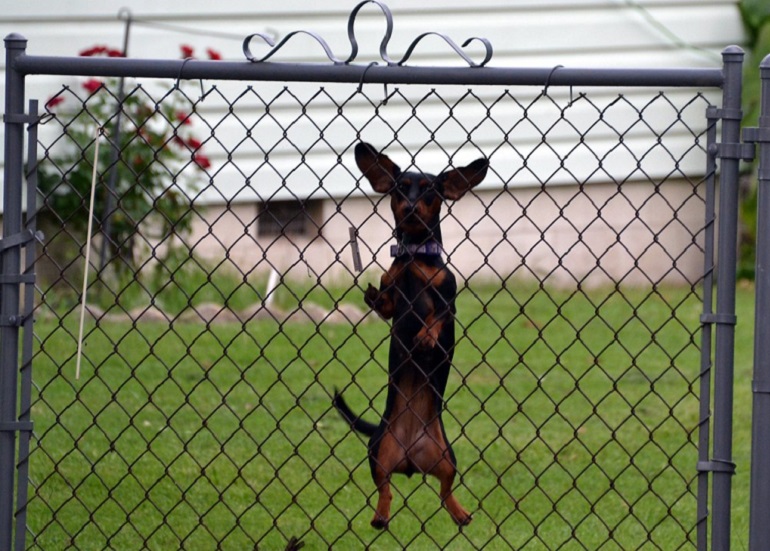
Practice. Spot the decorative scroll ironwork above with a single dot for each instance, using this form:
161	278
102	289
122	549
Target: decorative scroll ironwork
275	47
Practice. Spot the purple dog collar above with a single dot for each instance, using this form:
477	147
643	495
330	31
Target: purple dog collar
431	248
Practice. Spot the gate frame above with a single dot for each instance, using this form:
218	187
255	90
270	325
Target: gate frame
759	527
10	283
731	151
13	480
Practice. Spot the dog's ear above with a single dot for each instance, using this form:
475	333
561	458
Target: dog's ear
376	167
458	181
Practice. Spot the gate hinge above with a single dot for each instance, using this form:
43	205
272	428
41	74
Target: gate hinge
740	151
759	135
19	118
716	466
16	426
17	278
24	118
756	134
761	386
20	239
715	113
11	320
719	319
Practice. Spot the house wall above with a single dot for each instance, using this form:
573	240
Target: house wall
602	237
524	33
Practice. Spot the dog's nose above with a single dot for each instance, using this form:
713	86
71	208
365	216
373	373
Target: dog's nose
414	195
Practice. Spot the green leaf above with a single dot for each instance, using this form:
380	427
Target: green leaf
762	44
755	14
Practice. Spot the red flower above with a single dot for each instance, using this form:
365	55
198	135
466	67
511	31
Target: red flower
183	117
94	50
98	50
92	85
213	54
187	51
194	144
54	101
202	161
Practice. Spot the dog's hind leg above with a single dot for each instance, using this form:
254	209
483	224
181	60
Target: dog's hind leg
382	513
445	472
387	457
433	455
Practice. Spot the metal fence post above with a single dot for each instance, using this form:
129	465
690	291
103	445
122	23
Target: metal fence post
729	151
759	527
704	424
9	293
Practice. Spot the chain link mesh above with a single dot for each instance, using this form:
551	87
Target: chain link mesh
224	310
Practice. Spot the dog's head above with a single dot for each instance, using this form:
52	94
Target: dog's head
415	197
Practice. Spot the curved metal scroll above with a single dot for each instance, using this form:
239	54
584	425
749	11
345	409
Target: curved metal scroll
385	39
454	46
275	48
354	43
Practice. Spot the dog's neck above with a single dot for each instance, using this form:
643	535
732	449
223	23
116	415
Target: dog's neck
429	244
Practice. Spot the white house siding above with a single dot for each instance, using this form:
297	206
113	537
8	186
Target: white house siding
542	33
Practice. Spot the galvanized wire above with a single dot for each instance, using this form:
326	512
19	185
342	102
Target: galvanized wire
204	418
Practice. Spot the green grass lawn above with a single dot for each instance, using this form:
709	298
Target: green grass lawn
572	416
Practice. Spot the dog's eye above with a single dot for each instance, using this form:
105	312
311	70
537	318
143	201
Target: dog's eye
427	192
404	189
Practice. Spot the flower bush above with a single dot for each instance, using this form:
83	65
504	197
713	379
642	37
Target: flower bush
149	159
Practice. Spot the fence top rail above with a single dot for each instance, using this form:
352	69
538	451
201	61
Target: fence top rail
367	73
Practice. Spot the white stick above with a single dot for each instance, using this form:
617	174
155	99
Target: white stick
99	132
272	283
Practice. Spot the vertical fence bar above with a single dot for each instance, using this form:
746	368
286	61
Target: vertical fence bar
116	139
721	464
27	346
15	46
704	418
759	527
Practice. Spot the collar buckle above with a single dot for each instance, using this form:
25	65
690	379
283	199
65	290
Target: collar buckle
431	248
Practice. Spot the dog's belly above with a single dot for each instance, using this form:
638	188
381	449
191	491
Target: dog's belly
415	427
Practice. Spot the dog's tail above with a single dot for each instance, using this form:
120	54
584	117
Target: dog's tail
358	424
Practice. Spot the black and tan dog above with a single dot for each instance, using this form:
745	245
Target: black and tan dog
418	294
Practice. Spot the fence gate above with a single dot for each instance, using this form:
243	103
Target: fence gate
231	238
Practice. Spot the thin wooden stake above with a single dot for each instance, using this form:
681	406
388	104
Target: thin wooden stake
83	300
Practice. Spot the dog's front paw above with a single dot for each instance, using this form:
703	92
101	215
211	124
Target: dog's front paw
370	296
426	338
379	301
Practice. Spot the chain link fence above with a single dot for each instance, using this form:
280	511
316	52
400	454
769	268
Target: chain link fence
224	309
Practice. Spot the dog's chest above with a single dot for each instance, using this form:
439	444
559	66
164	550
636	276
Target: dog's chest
418	277
417	287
